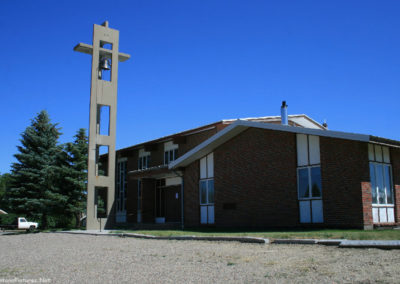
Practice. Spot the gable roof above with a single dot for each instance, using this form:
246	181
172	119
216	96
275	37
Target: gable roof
171	136
300	120
240	125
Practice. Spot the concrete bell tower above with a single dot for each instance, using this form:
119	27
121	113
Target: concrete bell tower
102	125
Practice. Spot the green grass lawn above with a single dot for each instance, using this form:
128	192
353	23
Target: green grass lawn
387	234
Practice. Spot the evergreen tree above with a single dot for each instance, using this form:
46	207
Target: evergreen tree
34	188
74	175
5	180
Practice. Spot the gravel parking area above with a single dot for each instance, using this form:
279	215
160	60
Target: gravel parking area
62	258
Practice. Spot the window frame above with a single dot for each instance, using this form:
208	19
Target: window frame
310	197
122	185
167	155
143	162
375	163
206	180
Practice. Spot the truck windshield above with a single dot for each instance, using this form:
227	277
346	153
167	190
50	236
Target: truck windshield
22	220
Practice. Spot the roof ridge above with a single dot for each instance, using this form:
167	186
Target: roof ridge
263	117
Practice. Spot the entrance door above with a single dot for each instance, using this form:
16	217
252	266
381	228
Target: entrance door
167	203
160	204
173	203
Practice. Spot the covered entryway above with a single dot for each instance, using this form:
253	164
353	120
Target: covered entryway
167	202
158	196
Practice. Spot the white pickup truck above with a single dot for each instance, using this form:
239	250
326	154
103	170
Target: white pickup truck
20	223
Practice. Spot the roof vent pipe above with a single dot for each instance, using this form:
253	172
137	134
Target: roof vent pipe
284	115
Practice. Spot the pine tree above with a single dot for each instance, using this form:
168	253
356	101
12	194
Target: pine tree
34	188
74	175
4	184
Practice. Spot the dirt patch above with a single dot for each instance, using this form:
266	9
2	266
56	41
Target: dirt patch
88	259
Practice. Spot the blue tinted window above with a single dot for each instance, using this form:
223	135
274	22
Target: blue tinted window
303	183
316	188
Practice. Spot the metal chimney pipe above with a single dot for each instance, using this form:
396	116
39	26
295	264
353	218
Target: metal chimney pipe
284	115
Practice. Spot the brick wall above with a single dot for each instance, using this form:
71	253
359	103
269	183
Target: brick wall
344	168
195	139
395	161
148	200
157	158
397	203
132	201
131	194
255	174
191	195
366	197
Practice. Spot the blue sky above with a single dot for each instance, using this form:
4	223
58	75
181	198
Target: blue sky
196	62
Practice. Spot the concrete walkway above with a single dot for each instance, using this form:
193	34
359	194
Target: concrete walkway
182	238
370	244
342	243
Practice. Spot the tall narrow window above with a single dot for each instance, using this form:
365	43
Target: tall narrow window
309	182
144	159
380	171
206	189
170	152
122	183
309	179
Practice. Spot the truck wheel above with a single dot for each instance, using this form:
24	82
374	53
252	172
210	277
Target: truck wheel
31	229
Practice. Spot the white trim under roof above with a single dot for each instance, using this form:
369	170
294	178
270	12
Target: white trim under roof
241	125
306	121
301	119
143	153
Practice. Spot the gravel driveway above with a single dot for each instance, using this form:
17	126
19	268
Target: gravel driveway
61	258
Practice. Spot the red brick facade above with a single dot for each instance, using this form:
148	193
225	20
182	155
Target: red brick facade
255	181
191	195
395	161
344	168
195	139
366	204
397	200
256	172
131	194
156	159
